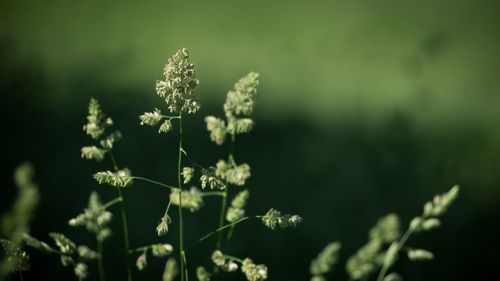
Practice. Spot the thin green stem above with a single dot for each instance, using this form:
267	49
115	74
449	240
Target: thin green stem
191	159
400	244
112	202
218	230
124	221
154	182
233	258
213	193
100	262
113	160
125	234
170	117
182	257
224	198
221	217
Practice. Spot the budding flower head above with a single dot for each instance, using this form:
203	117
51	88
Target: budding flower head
325	261
254	272
161	250
440	203
94	218
232	173
15	259
151	118
170	271
65	245
142	261
120	178
240	101
236	211
81	271
387	229
224	263
419	254
202	274
210	179
93	152
365	261
274	218
187	174
191	199
180	84
162	227
97	122
86	253
217	129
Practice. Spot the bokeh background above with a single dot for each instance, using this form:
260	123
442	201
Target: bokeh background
365	108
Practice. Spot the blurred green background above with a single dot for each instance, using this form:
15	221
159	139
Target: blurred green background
365	108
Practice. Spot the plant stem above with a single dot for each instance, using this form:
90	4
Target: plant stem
124	221
224	198
153	182
182	257
233	258
125	234
221	217
218	230
401	243
213	193
112	202
100	262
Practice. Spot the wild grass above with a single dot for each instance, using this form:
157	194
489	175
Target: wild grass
226	179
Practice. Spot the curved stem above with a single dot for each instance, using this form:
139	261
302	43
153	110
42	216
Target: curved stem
233	258
153	182
182	257
112	202
220	229
100	262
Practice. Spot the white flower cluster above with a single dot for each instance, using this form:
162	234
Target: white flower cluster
236	211
95	218
120	178
238	106
419	254
274	218
226	264
96	126
191	199
232	173
325	261
254	272
180	84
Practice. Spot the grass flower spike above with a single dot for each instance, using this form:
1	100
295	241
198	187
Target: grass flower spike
180	84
